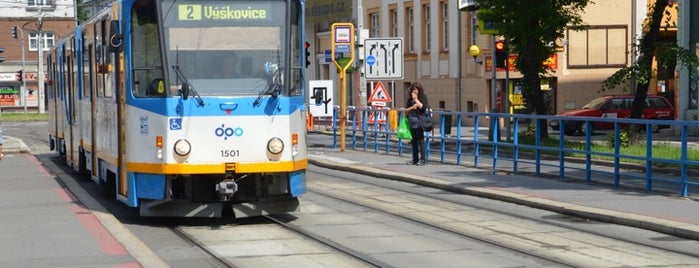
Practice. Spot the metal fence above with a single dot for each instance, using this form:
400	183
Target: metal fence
515	145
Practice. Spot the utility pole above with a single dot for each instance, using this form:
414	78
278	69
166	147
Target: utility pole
493	91
362	80
24	81
40	50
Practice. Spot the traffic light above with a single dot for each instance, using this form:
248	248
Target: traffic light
20	75
308	54
500	54
2	58
14	32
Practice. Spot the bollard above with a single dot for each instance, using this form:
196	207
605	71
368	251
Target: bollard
309	121
393	120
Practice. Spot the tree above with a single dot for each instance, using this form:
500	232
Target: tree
531	27
82	13
649	48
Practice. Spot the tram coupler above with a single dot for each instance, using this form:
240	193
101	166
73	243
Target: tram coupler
226	190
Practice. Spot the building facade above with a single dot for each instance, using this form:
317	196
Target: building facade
24	26
437	37
688	78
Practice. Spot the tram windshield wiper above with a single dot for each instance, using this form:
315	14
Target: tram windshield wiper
274	84
187	88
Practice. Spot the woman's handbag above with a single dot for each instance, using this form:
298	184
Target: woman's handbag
403	131
426	120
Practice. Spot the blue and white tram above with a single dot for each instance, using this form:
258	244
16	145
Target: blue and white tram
186	107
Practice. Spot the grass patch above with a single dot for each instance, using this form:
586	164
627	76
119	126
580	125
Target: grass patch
661	150
21	116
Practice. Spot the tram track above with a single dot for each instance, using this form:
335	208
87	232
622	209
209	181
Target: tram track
558	220
440	227
331	188
522	242
451	231
215	259
211	239
283	221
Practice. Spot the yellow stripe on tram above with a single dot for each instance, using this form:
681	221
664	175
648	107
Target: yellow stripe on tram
153	168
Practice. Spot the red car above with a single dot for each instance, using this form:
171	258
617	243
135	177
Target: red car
615	106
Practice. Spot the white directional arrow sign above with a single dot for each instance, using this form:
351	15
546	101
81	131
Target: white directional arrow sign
383	58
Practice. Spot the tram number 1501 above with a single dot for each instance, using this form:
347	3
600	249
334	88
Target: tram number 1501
230	153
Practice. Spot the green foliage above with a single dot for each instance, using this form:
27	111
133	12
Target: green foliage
82	13
624	140
343	62
17	116
529	28
665	53
529	131
660	150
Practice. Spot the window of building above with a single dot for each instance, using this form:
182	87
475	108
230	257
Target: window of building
445	25
40	3
410	33
374	18
394	22
427	30
47	41
598	46
44	5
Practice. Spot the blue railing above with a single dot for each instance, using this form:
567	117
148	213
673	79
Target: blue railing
476	144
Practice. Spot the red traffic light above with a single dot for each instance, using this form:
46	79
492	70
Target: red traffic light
308	53
500	54
500	45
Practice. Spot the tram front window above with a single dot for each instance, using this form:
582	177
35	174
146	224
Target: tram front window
147	63
223	53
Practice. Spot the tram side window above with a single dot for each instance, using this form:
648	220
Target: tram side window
103	67
64	72
49	74
296	79
107	66
99	59
147	61
87	68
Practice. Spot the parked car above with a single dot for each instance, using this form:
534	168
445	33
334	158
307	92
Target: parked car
615	106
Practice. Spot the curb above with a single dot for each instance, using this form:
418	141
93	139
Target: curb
12	145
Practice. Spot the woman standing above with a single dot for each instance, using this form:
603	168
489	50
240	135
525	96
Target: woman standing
416	107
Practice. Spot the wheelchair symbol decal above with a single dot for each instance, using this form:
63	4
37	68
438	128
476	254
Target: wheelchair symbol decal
175	123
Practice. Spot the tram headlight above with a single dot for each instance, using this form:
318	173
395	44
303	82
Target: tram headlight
275	145
182	147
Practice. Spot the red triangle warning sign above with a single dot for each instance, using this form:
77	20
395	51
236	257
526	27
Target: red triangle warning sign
379	94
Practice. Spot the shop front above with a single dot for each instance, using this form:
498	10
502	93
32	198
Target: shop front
12	97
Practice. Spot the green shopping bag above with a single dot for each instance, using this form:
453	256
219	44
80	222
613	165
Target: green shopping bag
403	131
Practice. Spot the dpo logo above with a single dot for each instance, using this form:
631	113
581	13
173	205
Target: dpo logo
227	132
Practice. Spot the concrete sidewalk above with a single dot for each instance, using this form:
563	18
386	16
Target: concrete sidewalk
11	145
50	221
667	214
45	224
